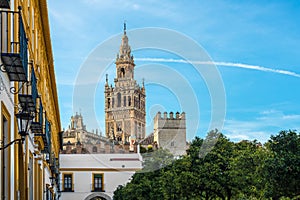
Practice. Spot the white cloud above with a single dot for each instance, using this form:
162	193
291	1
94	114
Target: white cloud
136	6
224	64
256	67
271	120
237	136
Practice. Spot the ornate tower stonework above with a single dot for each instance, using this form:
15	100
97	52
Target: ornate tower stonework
125	103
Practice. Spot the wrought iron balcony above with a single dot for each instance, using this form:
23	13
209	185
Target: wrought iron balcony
4	3
37	129
47	136
37	125
13	45
57	165
53	164
27	102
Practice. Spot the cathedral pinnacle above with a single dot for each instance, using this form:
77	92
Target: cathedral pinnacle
124	27
106	80
125	50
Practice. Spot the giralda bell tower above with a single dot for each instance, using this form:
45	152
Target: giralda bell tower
125	102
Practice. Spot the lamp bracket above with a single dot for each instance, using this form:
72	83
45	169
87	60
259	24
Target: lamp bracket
16	140
14	90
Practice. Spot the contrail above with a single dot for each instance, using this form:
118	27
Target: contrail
225	64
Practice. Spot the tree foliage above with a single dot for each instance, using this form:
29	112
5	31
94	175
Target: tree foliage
217	168
282	166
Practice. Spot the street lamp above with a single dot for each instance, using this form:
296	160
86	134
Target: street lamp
24	118
25	114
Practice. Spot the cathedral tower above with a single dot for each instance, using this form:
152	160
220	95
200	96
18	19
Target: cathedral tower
125	102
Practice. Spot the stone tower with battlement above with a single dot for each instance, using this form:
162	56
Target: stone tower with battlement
125	102
170	132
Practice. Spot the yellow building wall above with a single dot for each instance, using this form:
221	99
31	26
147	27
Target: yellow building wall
36	24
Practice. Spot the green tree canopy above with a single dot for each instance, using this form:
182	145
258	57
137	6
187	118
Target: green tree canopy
217	168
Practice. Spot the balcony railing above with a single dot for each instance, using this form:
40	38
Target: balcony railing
46	139
27	102
4	3
37	125
53	164
13	43
34	92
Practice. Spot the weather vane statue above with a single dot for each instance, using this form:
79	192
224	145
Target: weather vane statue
125	27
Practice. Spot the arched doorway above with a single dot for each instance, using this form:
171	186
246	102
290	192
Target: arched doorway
98	196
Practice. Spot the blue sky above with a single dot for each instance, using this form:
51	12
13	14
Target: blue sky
253	45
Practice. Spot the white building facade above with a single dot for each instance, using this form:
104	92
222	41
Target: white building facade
95	176
6	136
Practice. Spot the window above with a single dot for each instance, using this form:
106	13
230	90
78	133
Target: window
68	183
124	101
172	144
122	73
98	182
129	100
94	149
108	102
118	100
119	127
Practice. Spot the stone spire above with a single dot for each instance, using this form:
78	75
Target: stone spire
125	50
127	96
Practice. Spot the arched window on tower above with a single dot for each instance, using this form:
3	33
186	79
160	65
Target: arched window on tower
122	73
119	128
108	102
119	100
129	100
139	102
113	102
134	102
124	101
